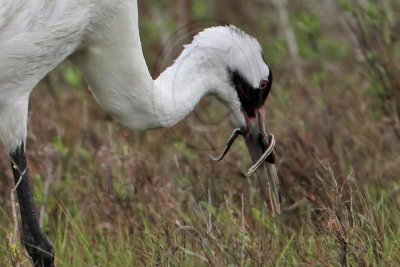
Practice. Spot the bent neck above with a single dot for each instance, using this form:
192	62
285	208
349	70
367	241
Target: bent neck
116	71
178	90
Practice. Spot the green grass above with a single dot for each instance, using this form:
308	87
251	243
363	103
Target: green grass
82	238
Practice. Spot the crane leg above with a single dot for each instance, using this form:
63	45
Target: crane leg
35	241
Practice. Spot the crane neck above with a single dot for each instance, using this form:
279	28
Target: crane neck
177	91
115	69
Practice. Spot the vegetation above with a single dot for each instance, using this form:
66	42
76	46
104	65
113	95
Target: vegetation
112	197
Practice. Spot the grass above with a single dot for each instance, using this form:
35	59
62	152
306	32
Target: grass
82	238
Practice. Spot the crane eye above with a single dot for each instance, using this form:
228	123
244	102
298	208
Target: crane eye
263	84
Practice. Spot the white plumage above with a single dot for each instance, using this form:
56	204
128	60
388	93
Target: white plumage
35	37
102	39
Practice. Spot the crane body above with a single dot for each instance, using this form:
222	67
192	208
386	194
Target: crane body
101	37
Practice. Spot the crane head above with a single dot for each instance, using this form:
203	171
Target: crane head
245	83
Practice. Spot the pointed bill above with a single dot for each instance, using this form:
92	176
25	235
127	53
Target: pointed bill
258	143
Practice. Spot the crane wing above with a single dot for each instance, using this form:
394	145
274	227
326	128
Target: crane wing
35	36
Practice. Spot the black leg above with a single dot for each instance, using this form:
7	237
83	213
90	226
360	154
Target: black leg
36	243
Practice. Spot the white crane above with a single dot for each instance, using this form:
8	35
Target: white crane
101	37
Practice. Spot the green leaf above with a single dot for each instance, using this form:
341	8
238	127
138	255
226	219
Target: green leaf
73	77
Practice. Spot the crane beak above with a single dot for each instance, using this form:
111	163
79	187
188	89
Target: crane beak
261	148
260	145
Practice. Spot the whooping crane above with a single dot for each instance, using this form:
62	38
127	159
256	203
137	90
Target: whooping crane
101	37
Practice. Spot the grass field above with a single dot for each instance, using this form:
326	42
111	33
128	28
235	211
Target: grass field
112	197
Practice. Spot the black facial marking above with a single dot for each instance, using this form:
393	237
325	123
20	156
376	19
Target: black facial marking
270	78
250	98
